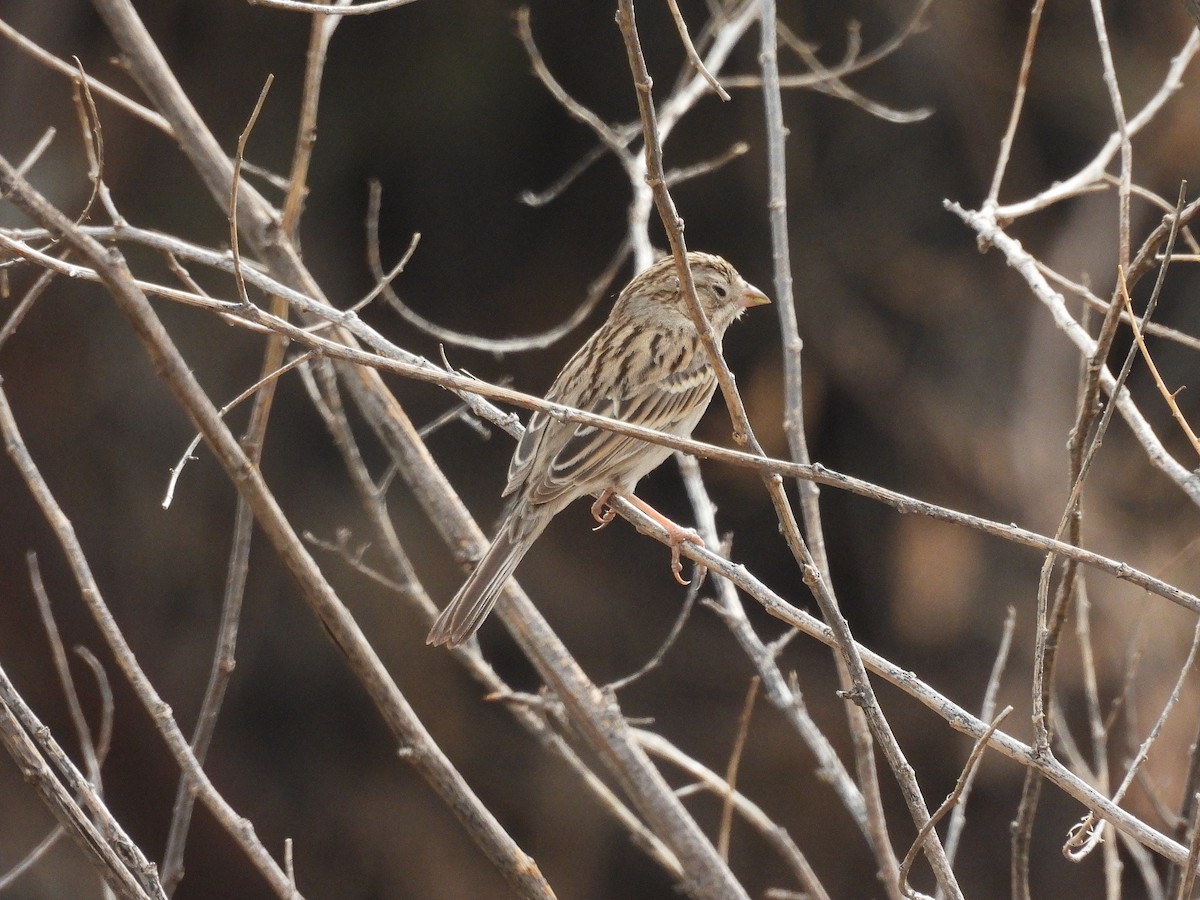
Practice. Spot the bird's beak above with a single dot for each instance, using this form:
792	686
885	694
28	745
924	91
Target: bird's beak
752	296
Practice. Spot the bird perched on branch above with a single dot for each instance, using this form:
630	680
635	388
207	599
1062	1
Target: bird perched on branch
646	365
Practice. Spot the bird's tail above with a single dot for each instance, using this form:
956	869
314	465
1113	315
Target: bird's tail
465	613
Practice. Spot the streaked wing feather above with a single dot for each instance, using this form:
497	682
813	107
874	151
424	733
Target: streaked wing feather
583	459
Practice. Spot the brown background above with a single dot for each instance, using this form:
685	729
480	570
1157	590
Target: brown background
929	369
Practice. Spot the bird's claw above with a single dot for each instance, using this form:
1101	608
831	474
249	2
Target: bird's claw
602	512
678	539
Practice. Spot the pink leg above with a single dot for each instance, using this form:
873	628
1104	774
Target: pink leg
677	535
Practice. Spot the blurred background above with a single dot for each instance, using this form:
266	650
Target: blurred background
929	368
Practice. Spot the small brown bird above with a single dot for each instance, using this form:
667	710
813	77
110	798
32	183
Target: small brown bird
647	366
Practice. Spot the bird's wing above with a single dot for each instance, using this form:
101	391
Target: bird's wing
555	458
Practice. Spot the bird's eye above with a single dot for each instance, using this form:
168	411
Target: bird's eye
721	291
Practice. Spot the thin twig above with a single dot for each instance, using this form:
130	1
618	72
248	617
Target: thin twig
21	309
731	769
93	143
91	761
1188	881
363	9
235	183
693	56
1167	394
685	613
189	453
1014	117
987	712
596	292
65	68
711	781
32	858
954	797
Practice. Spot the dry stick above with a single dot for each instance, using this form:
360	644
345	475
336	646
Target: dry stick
616	140
39	148
92	760
93	142
13	322
829	81
751	812
1099	731
425	756
956	795
1122	132
104	736
1189	815
731	770
793	420
112	857
231	215
681	619
862	694
785	304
